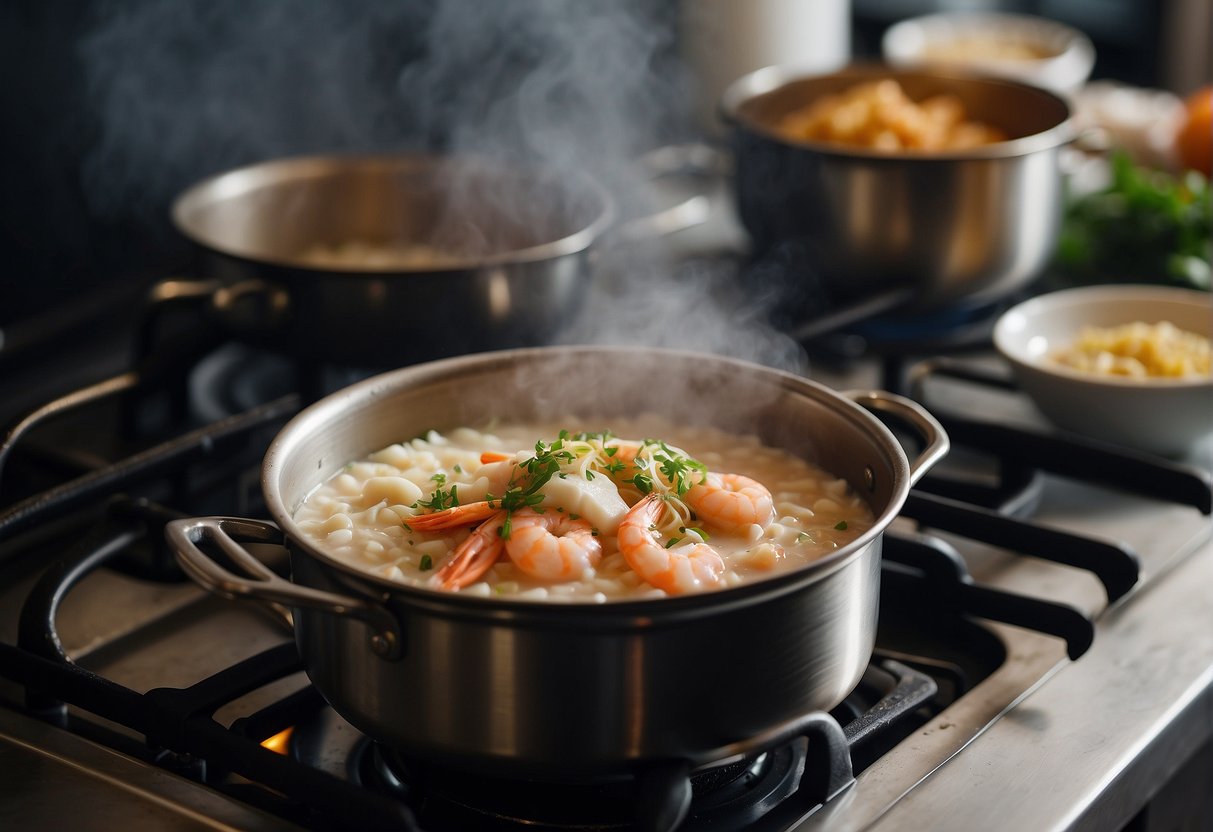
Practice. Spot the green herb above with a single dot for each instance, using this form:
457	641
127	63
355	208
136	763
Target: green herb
589	475
536	472
440	499
1145	226
803	537
669	543
678	469
841	525
643	483
427	563
438	478
457	469
702	534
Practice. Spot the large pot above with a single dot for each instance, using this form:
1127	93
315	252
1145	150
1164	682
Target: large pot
380	260
957	228
377	261
551	690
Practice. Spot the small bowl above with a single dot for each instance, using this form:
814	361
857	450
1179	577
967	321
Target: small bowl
1034	50
1167	416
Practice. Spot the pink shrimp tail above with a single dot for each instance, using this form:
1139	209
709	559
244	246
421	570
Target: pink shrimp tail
451	518
474	556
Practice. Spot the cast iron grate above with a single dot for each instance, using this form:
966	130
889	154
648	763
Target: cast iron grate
182	734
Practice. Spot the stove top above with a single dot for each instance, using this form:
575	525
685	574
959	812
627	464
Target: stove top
1044	657
1013	564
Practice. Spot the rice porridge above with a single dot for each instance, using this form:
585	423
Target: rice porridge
554	512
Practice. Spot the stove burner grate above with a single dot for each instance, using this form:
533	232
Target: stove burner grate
735	794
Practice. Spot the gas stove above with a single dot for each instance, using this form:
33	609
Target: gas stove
1044	658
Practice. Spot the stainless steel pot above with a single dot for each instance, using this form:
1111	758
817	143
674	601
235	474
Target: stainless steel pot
382	260
951	228
376	260
575	690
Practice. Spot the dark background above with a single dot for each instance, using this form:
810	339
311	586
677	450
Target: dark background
111	108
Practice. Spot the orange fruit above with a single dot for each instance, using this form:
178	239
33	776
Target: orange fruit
1194	142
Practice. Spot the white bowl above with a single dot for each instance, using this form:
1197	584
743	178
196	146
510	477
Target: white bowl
1167	416
981	41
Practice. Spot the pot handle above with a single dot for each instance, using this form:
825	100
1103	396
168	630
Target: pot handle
262	584
934	437
698	160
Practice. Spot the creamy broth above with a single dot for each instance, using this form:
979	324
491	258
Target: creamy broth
362	515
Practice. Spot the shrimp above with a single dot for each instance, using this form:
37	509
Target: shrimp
474	556
497	469
731	502
551	545
679	569
451	518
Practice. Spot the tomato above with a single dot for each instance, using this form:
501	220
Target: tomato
1194	142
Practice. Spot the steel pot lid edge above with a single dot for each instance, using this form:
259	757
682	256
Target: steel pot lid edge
239	182
768	79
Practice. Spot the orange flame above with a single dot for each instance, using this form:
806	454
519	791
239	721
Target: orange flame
280	742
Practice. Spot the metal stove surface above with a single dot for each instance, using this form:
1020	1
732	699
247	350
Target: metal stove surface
1042	743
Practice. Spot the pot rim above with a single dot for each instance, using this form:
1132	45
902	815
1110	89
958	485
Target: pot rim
238	182
322	412
771	78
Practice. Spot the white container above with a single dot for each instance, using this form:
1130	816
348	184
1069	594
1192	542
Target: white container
722	40
1168	416
1034	50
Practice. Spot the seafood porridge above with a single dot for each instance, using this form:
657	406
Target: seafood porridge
581	516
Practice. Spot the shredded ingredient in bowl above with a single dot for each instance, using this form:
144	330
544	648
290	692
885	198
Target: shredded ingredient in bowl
1139	350
880	116
985	48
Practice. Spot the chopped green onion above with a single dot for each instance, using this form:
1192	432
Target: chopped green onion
841	525
427	563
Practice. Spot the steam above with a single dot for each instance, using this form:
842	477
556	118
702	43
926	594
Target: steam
180	91
183	90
